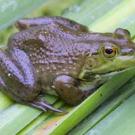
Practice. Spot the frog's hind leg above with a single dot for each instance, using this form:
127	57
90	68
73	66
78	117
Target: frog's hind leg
27	23
17	75
18	81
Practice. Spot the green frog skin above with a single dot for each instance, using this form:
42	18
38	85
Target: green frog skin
59	56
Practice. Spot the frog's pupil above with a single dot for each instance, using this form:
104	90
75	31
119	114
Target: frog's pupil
108	51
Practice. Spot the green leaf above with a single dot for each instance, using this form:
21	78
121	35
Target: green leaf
92	102
105	109
116	17
120	122
99	15
11	10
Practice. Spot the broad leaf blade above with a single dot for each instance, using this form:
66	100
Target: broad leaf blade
11	10
82	14
92	102
120	122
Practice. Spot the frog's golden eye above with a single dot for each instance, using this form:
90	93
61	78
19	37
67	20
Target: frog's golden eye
110	51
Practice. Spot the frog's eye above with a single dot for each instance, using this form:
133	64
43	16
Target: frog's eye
110	51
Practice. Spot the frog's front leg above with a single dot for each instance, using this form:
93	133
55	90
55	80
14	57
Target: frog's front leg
26	23
68	89
18	79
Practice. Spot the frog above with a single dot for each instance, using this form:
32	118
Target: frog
60	56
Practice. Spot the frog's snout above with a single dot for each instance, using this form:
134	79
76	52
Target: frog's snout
128	51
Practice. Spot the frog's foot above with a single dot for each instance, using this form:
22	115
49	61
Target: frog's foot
26	23
43	105
68	89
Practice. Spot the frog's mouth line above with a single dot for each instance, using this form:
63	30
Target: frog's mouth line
112	73
109	74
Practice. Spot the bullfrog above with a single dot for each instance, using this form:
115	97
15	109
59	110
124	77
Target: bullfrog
59	56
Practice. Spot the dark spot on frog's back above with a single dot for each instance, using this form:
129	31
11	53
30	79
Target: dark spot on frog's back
33	43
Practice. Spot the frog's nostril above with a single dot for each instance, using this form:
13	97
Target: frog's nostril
131	51
128	51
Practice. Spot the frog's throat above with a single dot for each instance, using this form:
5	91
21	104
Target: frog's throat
101	78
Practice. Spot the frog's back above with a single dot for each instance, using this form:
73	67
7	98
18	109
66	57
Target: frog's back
51	51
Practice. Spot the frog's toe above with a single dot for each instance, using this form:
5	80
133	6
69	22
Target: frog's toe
43	105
